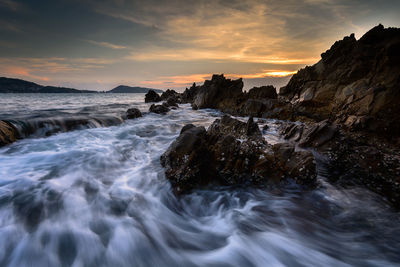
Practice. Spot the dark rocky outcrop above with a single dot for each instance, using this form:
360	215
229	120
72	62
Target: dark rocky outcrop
188	95
170	94
232	152
8	133
217	92
159	109
347	105
357	82
352	158
262	92
133	113
151	96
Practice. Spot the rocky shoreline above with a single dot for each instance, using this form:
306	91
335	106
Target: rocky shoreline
348	106
344	109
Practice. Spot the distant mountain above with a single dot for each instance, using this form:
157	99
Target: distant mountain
129	89
9	85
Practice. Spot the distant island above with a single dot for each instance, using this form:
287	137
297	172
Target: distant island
130	89
11	85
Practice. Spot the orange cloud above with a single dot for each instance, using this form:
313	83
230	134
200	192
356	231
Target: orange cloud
24	72
185	80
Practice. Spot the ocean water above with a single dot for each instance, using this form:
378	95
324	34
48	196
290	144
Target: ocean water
86	188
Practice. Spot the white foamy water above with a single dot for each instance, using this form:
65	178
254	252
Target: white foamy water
99	197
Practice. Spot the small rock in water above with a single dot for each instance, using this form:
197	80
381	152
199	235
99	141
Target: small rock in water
133	113
159	109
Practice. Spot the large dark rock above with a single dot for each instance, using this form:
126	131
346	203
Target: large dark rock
232	152
262	92
133	113
8	133
218	92
152	96
189	94
159	109
170	94
353	81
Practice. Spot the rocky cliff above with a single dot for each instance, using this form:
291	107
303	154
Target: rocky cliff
356	82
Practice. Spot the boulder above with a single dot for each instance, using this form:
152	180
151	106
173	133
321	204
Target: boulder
309	135
189	94
169	93
172	101
133	113
151	96
262	92
218	92
231	152
8	133
159	109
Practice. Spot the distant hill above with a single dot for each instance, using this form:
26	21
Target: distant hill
129	89
9	85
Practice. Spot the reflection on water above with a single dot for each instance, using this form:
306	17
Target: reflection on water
98	197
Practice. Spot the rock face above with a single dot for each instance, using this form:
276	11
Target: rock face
232	152
159	109
170	94
8	133
353	158
262	92
133	113
152	96
355	82
217	92
188	95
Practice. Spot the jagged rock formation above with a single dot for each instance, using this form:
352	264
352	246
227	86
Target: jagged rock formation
218	92
151	96
232	152
355	82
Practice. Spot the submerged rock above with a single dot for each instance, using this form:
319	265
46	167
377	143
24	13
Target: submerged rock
151	96
133	113
159	109
232	152
8	133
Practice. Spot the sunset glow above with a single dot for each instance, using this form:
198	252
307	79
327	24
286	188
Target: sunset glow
172	44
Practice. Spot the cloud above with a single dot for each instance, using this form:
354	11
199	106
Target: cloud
13	5
23	72
107	45
250	31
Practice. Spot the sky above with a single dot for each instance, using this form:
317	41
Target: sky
99	44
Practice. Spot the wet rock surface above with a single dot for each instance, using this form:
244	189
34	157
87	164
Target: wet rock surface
133	113
347	104
8	133
356	82
232	152
152	96
159	109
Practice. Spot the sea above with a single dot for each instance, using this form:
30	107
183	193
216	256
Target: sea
85	187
